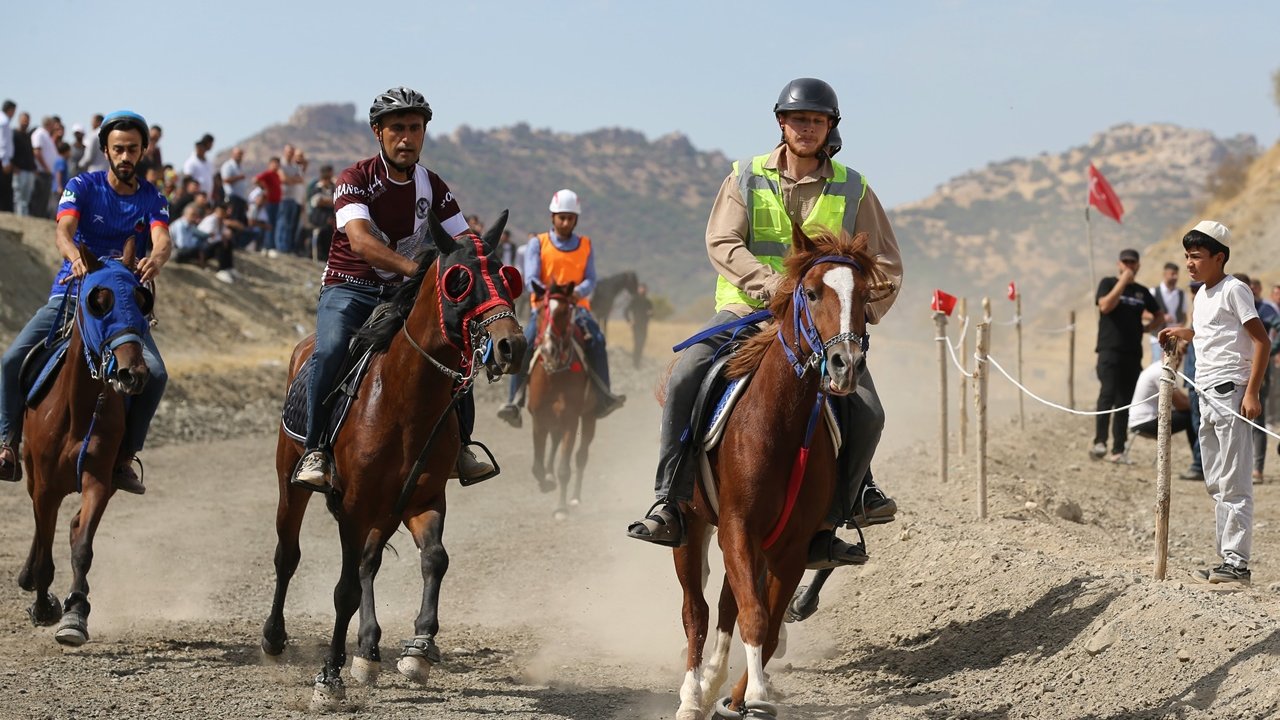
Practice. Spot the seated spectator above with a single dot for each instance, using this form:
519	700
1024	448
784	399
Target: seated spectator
196	240
218	241
1143	417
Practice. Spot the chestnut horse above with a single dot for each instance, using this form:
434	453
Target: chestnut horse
562	397
393	456
775	467
73	435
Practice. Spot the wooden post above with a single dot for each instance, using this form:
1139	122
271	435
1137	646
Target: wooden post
964	381
980	404
1017	324
1163	427
1071	360
940	324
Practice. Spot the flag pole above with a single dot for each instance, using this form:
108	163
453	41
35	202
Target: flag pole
1088	224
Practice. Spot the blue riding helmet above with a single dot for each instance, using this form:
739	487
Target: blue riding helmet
115	317
123	120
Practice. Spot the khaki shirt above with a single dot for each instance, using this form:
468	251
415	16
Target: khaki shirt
727	234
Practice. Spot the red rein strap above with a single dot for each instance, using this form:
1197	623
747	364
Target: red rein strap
797	474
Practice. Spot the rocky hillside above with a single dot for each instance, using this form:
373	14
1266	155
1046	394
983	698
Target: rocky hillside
645	203
1023	218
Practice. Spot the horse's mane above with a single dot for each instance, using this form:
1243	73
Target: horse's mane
378	334
748	357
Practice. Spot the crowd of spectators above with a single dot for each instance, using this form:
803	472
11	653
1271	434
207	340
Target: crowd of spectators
217	210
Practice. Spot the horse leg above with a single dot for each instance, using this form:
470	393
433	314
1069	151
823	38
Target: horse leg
805	602
539	454
743	566
37	573
329	690
421	652
73	629
366	665
563	470
291	509
580	461
690	561
718	667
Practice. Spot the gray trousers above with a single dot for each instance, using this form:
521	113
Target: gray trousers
1226	448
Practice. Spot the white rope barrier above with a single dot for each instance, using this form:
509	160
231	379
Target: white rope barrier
1016	319
954	358
1056	405
964	330
1056	331
1204	394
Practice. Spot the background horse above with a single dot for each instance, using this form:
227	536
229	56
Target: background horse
561	396
73	435
606	292
765	526
394	454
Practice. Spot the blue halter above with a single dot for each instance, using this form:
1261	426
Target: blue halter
124	322
807	337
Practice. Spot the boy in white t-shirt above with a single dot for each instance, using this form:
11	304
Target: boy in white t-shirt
1232	348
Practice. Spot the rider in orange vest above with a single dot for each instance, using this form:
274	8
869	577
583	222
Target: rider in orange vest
560	257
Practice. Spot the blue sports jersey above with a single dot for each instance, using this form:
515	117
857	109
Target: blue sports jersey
108	219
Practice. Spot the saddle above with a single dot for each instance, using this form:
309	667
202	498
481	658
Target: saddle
293	418
43	361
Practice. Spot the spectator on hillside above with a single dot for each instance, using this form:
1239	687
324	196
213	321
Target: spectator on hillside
155	176
477	227
6	155
185	234
92	159
235	184
320	213
639	311
24	166
506	249
186	192
62	168
199	166
1121	304
218	243
151	157
46	155
269	181
293	195
258	231
78	162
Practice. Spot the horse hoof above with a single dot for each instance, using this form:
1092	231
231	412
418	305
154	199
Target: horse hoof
796	610
365	671
72	631
546	486
724	711
417	669
328	697
575	502
273	648
45	612
560	514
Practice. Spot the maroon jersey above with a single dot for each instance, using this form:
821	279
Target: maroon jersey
397	214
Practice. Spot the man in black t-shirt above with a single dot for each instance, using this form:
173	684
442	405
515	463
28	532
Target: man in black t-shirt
1121	304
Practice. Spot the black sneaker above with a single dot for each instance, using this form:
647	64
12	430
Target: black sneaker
511	414
873	506
608	405
1227	573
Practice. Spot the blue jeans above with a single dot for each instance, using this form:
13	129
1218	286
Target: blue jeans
530	338
342	309
286	226
141	410
1197	465
597	351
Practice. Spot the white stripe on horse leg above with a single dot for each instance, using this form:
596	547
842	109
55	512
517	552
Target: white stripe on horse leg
691	706
756	683
840	279
718	668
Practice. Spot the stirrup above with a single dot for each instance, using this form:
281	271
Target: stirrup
324	488
11	472
667	534
467	482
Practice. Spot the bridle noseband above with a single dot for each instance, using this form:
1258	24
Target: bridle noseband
807	337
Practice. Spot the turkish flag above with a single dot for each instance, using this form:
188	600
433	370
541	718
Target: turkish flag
1102	196
943	302
1013	290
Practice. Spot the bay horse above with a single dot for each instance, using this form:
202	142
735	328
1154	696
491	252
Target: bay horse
393	455
814	347
606	292
562	397
74	433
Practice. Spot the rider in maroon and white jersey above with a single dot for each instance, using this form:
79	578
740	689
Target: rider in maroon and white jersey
381	206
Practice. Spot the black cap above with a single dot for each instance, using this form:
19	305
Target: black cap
1128	255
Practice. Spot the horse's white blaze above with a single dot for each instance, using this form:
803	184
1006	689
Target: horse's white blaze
691	695
552	304
840	279
718	667
757	684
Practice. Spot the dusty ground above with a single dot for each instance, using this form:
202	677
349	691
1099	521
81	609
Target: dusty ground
1046	610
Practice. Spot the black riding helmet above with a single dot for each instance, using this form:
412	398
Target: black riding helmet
809	94
123	120
399	99
833	143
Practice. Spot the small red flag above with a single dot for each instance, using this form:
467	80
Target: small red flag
1102	196
1013	290
943	302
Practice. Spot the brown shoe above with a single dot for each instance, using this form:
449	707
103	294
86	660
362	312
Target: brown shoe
10	467
126	480
471	469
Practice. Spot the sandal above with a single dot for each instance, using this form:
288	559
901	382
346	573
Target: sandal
10	467
827	550
663	526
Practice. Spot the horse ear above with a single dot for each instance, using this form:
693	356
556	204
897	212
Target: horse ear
799	241
91	262
490	239
439	236
130	255
568	289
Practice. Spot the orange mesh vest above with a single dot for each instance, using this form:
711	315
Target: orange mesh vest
560	267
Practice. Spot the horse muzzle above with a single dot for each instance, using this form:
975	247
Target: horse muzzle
843	363
130	380
508	353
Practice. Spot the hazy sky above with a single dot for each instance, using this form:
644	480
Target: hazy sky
928	89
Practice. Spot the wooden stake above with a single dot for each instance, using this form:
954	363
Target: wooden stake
964	381
980	404
1071	360
940	325
1163	428
1017	324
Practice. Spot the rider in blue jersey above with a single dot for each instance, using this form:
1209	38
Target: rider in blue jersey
102	211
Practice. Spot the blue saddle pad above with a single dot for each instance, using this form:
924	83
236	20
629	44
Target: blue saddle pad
40	367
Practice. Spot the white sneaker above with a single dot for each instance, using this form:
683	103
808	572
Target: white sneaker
313	471
225	276
272	253
1099	451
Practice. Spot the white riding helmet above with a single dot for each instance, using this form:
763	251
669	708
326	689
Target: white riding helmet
565	201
